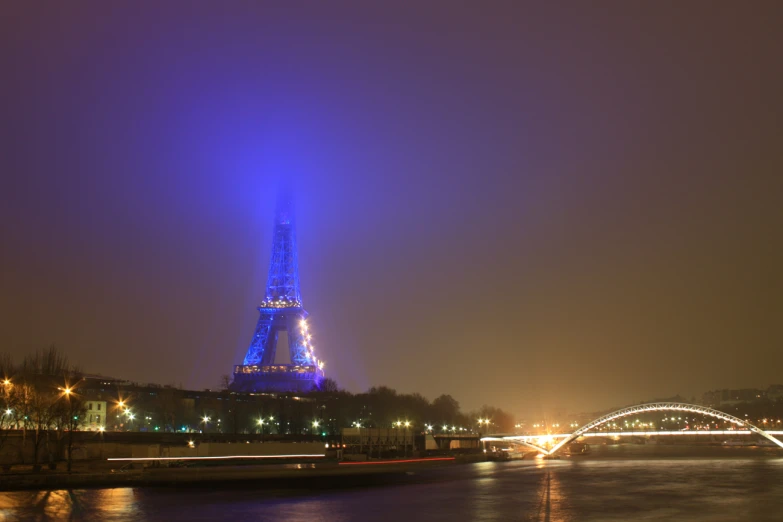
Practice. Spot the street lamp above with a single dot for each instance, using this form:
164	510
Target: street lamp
71	424
315	425
407	425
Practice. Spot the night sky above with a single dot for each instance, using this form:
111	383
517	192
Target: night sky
543	208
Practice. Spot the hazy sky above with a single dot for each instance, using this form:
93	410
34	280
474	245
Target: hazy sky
541	206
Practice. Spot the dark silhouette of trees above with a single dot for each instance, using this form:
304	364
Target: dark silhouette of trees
446	408
327	385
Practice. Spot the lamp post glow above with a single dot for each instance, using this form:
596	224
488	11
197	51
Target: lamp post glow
70	425
485	422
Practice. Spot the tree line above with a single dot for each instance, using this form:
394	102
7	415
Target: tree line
39	399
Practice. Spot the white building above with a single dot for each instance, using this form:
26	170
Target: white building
95	416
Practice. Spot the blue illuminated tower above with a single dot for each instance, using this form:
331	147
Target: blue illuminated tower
281	311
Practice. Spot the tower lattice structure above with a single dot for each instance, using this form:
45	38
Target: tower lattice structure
281	310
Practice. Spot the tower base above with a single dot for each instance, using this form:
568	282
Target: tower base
276	378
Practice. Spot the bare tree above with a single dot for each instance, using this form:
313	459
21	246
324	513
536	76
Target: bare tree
328	385
38	418
7	367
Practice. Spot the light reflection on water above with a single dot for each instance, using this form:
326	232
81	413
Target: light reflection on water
567	490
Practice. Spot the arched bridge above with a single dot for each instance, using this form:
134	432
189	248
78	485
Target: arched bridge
742	426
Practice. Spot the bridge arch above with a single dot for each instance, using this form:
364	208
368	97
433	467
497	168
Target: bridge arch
662	406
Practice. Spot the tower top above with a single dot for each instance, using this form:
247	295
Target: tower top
284	210
282	286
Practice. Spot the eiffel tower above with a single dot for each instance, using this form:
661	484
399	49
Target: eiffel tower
281	311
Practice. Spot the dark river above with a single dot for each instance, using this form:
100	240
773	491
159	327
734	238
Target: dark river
621	484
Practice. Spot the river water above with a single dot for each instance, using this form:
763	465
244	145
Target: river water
644	484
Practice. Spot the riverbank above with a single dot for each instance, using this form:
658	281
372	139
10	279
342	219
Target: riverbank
300	475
